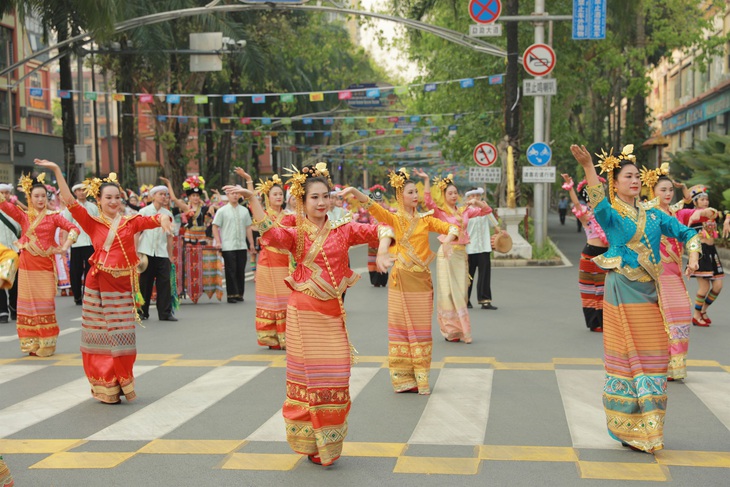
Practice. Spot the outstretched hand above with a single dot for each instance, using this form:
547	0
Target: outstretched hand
383	262
242	173
726	228
46	164
567	178
238	189
166	224
581	155
420	173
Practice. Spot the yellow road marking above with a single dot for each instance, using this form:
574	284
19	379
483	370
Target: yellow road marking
194	363
436	465
469	360
4	361
192	447
524	366
693	458
37	446
57	357
703	363
158	356
623	471
84	460
383	450
577	361
261	461
528	453
73	363
263	357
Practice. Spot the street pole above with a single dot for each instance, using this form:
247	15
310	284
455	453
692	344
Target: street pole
538	136
80	171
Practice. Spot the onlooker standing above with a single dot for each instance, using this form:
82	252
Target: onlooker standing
232	230
479	251
82	250
156	244
9	234
563	208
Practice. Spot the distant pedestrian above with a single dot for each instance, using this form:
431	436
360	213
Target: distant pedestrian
82	249
563	209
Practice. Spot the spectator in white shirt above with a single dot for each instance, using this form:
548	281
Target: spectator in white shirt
9	234
82	250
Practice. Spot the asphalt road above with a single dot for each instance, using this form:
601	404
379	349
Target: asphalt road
520	406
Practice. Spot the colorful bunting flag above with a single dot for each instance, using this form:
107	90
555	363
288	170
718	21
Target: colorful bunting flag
415	118
256	133
173	99
309	134
266	121
318	96
36	92
204	120
64	94
90	96
380	132
162	118
146	99
286	98
349	120
286	121
118	97
200	99
495	80
372	93
344	95
370	119
225	120
230	99
245	120
400	90
467	83
307	121
429	87
393	119
328	121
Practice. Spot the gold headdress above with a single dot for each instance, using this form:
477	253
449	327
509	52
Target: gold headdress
397	179
265	186
93	185
27	182
650	177
443	183
608	162
296	182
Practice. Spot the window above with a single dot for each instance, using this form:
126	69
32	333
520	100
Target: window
4	119
686	83
87	130
102	131
6	47
101	109
34	80
87	108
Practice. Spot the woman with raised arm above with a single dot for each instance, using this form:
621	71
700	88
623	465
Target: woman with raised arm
108	315
452	274
635	338
37	326
410	292
591	278
710	273
272	293
318	349
672	289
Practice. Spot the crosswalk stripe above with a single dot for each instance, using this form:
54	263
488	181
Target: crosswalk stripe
12	372
38	408
580	391
10	338
274	428
170	412
458	409
713	389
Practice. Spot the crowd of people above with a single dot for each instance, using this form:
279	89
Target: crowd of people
123	251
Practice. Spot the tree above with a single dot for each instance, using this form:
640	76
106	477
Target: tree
707	164
67	18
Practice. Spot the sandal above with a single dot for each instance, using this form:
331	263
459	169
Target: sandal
706	318
697	322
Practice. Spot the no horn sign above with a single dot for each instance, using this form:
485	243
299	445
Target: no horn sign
539	59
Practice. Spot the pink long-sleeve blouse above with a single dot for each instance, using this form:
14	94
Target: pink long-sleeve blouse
460	219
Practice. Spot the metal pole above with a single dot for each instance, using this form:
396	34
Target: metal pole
109	150
80	117
538	136
548	111
11	138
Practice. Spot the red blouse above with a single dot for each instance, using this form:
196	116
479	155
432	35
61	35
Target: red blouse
122	253
39	236
312	275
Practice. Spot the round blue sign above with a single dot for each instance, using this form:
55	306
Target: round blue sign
539	154
485	11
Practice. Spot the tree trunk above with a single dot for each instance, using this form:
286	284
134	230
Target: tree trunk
67	104
125	84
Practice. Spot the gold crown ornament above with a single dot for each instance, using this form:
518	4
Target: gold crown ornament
27	182
650	177
93	185
443	183
397	179
264	187
607	162
297	177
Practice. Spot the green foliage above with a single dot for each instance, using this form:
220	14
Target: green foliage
708	164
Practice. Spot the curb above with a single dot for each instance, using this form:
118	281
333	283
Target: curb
563	261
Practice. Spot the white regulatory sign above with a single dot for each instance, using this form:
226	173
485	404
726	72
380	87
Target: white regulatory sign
485	30
538	174
540	87
490	175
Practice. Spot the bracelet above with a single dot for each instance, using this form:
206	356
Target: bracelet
567	186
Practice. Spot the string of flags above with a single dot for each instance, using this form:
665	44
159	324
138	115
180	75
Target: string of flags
312	96
433	129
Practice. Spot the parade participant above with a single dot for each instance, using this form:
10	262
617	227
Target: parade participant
156	244
591	278
377	279
479	252
635	343
81	250
272	292
318	351
410	293
201	267
37	326
6	480
673	295
108	349
9	235
232	230
452	274
710	273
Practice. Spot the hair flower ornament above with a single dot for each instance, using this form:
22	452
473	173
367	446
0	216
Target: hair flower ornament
264	187
444	183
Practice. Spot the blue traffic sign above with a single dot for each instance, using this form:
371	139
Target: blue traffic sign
539	154
485	11
589	19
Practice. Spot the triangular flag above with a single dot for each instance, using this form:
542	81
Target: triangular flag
118	97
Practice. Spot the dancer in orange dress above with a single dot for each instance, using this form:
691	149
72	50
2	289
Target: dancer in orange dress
37	325
111	291
318	349
410	292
